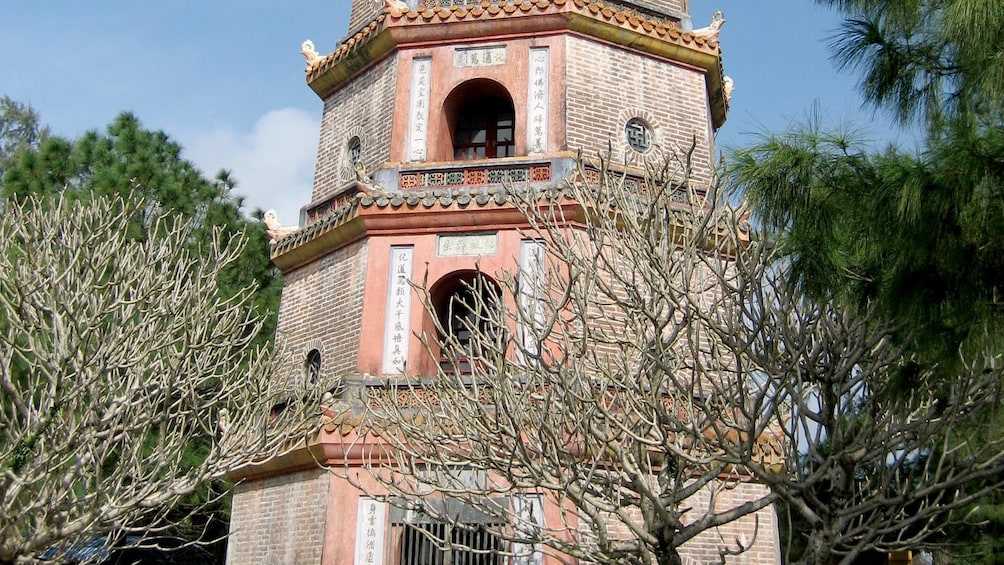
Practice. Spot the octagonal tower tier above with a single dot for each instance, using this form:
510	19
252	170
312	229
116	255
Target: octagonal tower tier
433	109
408	93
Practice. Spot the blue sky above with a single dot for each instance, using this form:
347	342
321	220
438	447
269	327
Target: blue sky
225	78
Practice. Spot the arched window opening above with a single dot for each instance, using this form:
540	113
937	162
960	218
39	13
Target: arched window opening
483	121
467	307
354	151
312	366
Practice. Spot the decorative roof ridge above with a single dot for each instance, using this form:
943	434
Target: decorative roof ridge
614	14
320	64
632	20
768	447
340	215
430	198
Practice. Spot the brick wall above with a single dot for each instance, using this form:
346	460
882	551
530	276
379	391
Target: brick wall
606	86
677	6
363	11
279	520
364	108
321	309
758	532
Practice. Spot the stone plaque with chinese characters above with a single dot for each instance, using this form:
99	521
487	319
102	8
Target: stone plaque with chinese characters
537	100
397	328
532	279
371	526
467	244
480	56
418	119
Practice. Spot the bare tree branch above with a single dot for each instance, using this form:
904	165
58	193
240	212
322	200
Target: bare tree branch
655	361
128	381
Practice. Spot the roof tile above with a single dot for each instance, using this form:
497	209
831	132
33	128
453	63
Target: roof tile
487	9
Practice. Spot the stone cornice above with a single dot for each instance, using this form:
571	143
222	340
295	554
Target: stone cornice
403	213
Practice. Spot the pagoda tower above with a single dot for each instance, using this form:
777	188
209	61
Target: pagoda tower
431	108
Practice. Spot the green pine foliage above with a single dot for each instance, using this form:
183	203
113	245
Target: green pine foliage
128	159
916	234
925	60
21	130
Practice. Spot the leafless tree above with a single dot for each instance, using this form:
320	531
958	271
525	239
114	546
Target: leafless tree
653	365
881	453
128	380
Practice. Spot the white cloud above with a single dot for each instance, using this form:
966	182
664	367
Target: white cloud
273	163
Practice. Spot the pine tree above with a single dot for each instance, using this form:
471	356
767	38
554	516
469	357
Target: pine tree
918	233
128	159
912	234
20	130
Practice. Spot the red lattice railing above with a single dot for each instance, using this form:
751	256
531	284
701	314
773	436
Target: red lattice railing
474	176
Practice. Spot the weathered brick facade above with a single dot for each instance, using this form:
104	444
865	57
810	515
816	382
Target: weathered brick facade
363	11
321	309
672	6
757	533
359	109
279	520
607	85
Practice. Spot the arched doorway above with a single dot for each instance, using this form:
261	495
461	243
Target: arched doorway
467	306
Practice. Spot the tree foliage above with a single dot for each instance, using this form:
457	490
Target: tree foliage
21	130
912	235
915	233
927	60
129	160
118	352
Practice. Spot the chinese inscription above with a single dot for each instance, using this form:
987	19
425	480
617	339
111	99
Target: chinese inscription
480	56
537	100
532	276
421	70
467	244
370	529
397	328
